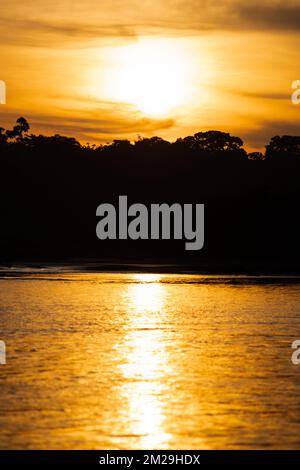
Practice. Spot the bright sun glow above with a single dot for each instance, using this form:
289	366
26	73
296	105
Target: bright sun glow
152	74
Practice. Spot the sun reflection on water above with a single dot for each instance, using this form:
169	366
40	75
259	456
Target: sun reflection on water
147	296
146	362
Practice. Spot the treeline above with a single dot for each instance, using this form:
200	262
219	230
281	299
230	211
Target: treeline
209	143
51	186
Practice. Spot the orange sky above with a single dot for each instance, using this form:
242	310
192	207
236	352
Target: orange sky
100	70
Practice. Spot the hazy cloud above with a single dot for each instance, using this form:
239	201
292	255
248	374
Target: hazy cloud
65	22
261	136
100	127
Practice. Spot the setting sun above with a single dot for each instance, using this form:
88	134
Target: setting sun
153	75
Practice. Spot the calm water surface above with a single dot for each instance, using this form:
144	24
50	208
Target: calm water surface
136	361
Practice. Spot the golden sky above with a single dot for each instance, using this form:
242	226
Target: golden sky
99	70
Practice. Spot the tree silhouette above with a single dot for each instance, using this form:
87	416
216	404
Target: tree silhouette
21	128
283	147
51	186
3	136
150	143
18	132
256	156
214	142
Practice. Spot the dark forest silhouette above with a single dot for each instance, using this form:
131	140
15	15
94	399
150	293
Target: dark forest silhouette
51	187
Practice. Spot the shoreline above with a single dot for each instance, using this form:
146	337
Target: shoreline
20	268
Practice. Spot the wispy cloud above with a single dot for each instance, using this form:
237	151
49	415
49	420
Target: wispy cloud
35	24
260	136
89	124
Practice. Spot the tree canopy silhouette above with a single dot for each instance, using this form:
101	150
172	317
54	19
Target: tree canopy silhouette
51	186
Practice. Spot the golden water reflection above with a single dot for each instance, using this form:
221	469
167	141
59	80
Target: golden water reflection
147	296
146	362
131	361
